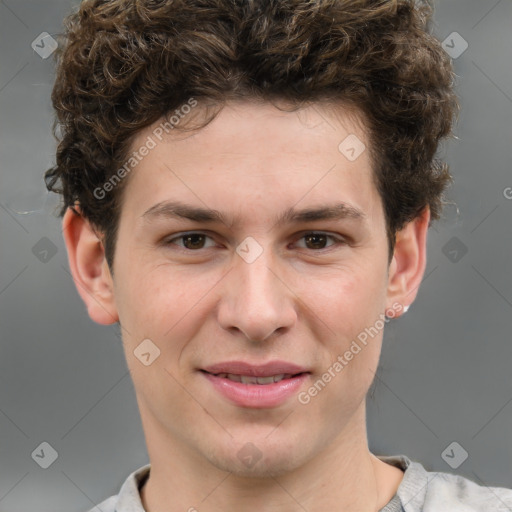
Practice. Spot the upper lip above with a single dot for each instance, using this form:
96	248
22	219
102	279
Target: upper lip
256	370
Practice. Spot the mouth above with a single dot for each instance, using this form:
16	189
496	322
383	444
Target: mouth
251	379
256	386
275	368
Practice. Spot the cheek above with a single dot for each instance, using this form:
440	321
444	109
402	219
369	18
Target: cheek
165	305
347	300
350	304
149	295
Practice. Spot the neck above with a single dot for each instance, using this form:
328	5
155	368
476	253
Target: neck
343	476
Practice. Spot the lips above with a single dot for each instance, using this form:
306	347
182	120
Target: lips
256	386
244	369
250	379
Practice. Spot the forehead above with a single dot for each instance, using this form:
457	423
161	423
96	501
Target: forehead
277	158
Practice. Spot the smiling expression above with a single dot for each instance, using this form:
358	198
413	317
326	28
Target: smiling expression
253	240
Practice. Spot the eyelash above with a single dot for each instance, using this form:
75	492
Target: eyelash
338	241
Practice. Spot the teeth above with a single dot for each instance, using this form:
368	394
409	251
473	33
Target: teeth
249	379
261	380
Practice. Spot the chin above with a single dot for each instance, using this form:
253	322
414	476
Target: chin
261	459
269	466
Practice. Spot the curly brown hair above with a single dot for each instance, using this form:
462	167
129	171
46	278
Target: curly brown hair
124	64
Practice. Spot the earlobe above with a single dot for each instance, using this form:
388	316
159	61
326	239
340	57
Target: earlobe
408	264
89	268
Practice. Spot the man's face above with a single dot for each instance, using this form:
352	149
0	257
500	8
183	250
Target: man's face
253	288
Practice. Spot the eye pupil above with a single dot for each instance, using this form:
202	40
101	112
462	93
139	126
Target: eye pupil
193	238
316	236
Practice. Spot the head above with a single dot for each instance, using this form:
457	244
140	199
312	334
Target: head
306	132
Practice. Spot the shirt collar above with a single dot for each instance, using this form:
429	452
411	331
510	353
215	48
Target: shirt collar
128	499
414	485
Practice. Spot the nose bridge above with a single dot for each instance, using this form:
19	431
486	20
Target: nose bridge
258	278
256	302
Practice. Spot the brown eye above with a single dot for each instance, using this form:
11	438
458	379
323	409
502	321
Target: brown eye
190	241
193	241
315	241
319	241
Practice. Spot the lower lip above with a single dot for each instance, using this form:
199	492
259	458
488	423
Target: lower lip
257	395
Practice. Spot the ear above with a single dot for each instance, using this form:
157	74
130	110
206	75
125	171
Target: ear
89	268
408	264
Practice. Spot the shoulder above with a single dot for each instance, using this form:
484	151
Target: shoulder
128	499
457	493
434	491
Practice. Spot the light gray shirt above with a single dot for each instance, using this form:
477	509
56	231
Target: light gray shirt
419	491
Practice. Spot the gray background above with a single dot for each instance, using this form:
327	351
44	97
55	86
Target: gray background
445	369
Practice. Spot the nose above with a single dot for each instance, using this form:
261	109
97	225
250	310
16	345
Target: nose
256	300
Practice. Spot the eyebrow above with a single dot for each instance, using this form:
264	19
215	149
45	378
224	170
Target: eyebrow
177	209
